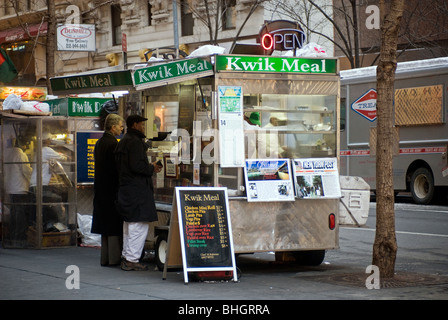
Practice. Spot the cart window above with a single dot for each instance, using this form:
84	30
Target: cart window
290	126
180	111
165	115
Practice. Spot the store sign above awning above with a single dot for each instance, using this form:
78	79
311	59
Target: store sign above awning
171	72
275	64
76	37
20	34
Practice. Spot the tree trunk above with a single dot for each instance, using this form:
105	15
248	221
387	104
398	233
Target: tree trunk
385	246
355	32
51	42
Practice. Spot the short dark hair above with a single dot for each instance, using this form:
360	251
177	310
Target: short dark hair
134	118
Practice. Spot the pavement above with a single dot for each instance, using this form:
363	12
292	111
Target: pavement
75	273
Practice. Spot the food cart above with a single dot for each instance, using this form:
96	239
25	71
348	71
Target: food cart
281	174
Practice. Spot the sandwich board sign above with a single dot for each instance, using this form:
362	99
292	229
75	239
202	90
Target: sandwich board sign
365	105
200	225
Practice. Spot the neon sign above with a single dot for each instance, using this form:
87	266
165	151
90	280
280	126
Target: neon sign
281	35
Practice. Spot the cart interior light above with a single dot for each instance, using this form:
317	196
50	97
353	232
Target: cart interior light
332	221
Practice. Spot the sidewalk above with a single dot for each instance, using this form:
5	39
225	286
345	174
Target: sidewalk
41	274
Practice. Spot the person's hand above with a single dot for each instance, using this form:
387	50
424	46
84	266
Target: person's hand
157	168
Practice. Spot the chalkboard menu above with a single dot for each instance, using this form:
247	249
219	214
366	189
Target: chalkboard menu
205	230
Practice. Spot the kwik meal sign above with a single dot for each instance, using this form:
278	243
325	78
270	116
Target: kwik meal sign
365	105
171	72
276	64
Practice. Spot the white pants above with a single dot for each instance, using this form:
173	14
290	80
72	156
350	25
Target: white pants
134	237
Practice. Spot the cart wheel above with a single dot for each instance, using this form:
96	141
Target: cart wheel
309	258
422	186
161	248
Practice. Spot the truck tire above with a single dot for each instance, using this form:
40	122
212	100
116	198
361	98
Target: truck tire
422	186
161	248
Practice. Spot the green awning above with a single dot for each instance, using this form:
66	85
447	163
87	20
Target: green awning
92	82
172	72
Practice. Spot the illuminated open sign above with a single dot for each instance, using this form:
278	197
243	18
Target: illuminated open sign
281	35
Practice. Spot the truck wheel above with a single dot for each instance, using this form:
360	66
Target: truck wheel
422	186
161	248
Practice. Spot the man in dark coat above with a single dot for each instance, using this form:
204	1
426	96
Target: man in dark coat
106	220
135	200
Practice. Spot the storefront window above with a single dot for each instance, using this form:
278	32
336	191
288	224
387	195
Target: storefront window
22	56
116	24
229	14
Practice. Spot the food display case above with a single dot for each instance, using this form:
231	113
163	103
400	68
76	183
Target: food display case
38	178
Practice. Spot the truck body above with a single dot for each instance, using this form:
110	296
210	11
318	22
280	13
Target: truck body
420	138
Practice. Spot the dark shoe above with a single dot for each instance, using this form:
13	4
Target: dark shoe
133	266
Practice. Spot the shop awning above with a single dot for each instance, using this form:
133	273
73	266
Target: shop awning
19	33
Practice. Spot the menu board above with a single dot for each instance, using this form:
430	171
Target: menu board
317	178
268	180
205	230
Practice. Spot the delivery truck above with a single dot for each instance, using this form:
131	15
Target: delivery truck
420	140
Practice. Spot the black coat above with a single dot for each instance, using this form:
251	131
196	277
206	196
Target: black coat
135	200
106	220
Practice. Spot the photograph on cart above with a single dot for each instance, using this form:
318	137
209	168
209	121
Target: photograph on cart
268	180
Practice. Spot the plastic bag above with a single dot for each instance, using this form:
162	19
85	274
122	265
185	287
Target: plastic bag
207	50
12	102
110	106
35	106
84	227
312	50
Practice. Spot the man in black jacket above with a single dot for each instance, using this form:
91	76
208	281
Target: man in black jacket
135	201
106	220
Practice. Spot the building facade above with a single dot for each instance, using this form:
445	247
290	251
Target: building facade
423	31
147	25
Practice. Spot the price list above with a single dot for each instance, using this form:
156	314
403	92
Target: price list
222	225
85	147
205	226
